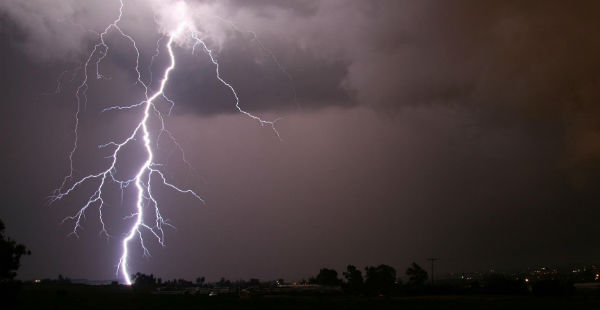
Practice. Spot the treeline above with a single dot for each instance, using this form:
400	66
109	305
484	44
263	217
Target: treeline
381	280
377	280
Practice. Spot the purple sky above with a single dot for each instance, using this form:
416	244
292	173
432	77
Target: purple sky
463	130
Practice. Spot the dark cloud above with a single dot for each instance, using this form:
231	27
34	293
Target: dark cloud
466	130
521	56
261	84
390	54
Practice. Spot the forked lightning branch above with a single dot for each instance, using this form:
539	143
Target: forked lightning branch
149	169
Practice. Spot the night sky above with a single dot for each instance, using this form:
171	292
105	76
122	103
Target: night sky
463	130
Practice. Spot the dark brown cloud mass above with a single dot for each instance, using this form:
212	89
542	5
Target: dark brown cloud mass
465	130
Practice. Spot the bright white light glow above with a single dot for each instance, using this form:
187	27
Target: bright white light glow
149	170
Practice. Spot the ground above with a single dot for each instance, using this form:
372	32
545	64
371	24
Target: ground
118	297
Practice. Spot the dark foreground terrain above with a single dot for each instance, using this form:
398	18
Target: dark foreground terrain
119	297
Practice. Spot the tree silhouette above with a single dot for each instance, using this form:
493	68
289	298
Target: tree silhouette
63	280
326	277
224	283
10	255
354	280
416	275
254	282
380	279
143	282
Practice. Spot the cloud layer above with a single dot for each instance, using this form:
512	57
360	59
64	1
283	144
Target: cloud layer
466	130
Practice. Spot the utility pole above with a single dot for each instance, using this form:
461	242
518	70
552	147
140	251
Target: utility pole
432	278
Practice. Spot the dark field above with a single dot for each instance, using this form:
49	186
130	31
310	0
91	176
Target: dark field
118	297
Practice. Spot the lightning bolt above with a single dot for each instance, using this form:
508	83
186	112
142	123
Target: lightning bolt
149	169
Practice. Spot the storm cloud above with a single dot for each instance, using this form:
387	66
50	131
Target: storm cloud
512	55
465	130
